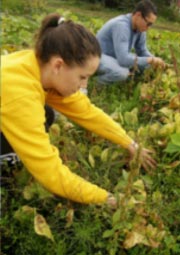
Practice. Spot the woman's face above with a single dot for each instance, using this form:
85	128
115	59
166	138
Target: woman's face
67	80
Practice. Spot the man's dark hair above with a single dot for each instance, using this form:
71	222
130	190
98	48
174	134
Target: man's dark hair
145	7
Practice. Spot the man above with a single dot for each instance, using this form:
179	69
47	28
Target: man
119	36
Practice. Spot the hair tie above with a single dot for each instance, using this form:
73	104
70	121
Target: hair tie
61	20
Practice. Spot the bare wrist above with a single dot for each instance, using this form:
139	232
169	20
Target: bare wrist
109	197
133	147
111	200
150	60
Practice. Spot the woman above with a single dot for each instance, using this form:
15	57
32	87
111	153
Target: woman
65	56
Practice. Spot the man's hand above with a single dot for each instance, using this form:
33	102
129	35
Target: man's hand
145	156
156	62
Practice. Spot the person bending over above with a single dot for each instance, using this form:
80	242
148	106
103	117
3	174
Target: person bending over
65	55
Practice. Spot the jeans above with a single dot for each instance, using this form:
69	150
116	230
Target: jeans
110	71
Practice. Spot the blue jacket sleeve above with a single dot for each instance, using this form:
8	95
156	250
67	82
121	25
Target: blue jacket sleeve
141	48
121	40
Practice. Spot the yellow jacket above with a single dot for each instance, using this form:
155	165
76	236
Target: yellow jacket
23	118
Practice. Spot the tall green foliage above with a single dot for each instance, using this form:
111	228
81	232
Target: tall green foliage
167	8
24	6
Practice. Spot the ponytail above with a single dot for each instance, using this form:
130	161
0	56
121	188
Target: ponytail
71	41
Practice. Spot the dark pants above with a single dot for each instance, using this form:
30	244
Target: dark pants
5	147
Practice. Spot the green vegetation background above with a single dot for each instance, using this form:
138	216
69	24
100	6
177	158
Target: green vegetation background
147	220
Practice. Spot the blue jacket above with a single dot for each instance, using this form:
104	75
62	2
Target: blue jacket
117	39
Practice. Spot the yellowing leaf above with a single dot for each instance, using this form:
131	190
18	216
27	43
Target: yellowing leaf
131	118
114	155
175	102
143	132
154	129
134	238
41	227
24	212
132	202
177	117
167	129
91	160
95	150
55	129
104	155
147	235
138	185
68	125
69	217
177	121
132	134
157	196
27	193
167	112
27	209
175	164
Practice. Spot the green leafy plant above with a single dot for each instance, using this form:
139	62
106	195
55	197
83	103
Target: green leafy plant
174	144
146	220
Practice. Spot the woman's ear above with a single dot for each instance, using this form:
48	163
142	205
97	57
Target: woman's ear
56	64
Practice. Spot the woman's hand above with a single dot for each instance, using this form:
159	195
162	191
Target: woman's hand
111	201
145	156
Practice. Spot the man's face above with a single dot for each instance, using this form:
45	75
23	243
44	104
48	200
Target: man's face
144	22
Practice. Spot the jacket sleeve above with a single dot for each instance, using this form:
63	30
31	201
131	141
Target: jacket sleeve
23	126
140	46
121	39
79	109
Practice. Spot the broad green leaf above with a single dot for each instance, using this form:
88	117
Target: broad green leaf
172	148
108	233
175	138
147	180
125	174
116	217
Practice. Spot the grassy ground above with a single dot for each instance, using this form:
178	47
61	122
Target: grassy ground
151	205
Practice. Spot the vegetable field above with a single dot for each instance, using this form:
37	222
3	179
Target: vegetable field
147	219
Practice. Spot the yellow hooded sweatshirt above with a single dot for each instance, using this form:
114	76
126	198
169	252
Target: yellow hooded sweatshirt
22	123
